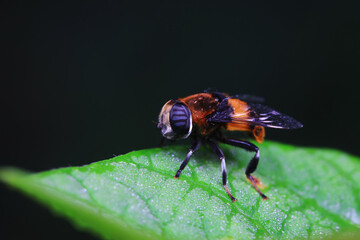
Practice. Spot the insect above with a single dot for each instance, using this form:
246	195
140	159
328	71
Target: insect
202	116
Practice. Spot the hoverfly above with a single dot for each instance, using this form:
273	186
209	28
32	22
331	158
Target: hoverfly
202	116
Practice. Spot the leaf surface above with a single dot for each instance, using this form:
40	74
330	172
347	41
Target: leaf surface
312	193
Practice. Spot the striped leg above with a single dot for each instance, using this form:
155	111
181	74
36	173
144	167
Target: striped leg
215	147
252	164
194	147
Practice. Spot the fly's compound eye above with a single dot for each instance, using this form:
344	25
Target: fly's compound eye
180	120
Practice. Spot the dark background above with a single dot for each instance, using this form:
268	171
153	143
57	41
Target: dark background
82	82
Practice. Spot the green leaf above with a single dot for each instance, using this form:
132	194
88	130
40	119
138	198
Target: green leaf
312	193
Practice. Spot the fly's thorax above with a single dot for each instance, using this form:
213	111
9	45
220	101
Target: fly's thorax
175	120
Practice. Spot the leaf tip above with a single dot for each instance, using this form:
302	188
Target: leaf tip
10	175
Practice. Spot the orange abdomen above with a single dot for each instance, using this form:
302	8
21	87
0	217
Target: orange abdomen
241	111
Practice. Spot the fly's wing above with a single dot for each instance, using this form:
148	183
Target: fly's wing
267	117
244	97
249	98
255	115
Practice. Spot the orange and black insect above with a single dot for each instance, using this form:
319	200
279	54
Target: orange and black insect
202	116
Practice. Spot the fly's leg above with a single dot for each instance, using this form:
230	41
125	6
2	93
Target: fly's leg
215	147
163	142
194	147
252	164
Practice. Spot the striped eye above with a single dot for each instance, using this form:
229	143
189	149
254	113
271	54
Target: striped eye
180	120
